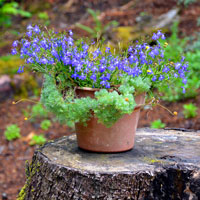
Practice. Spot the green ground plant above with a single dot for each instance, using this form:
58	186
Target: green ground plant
45	124
157	124
190	110
39	111
9	9
99	28
38	140
186	2
44	17
12	132
178	47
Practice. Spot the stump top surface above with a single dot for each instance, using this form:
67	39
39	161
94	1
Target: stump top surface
152	148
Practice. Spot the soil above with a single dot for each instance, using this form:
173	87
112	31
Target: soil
63	16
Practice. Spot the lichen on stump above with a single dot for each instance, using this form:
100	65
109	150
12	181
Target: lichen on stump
164	164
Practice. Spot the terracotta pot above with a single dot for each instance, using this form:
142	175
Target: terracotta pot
98	138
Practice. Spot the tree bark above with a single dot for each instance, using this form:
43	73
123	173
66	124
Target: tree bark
164	164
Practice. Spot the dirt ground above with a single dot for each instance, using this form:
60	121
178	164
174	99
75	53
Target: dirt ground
14	154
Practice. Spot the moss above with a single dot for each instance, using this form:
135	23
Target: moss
10	64
31	170
29	84
22	193
151	161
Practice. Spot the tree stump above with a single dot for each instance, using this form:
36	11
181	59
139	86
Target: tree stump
164	164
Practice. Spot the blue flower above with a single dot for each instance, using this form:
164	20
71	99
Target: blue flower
75	75
163	37
130	49
20	70
182	58
29	27
165	69
175	75
93	77
78	67
36	29
107	85
103	83
44	61
94	69
82	77
15	43
155	37
26	44
30	60
154	78
184	81
13	51
85	47
102	68
183	89
70	33
66	60
177	65
111	67
70	41
161	78
29	33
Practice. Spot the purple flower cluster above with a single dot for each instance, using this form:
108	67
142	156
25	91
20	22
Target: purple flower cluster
90	66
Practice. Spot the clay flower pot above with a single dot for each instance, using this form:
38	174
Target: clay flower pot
98	138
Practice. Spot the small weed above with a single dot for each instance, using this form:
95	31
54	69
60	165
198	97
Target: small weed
190	110
12	132
157	124
44	17
37	140
45	124
38	111
99	28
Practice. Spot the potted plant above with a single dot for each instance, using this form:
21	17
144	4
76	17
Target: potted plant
100	89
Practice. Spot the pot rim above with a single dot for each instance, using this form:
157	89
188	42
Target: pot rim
87	88
94	89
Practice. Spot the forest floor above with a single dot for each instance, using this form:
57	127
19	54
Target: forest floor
14	154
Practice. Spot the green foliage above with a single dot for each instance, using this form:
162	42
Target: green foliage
12	132
175	48
45	124
39	111
44	17
190	110
108	107
99	28
138	83
186	2
157	124
7	9
38	140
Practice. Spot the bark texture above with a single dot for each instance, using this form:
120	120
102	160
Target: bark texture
164	164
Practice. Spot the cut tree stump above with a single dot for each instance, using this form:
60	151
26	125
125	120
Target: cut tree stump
164	164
